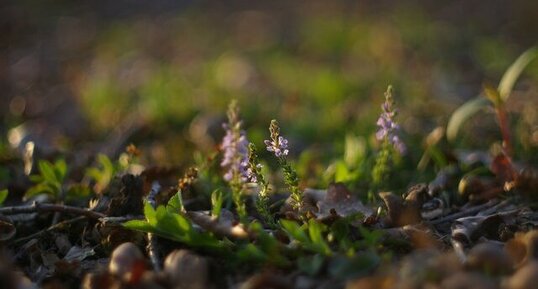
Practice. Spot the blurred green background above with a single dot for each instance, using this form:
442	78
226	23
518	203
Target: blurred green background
161	73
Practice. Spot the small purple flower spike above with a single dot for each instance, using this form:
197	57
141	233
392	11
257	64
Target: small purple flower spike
277	144
235	147
388	129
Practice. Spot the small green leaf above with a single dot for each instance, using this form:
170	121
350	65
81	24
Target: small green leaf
60	170
183	223
3	196
166	221
105	162
251	253
47	171
370	237
150	214
42	188
294	231
175	204
340	229
36	178
77	192
216	203
139	225
315	230
514	71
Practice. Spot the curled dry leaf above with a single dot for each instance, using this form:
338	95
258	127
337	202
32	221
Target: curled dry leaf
340	201
335	202
434	208
402	212
469	229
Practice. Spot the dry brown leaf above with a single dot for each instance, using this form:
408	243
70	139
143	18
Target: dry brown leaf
339	201
469	229
400	212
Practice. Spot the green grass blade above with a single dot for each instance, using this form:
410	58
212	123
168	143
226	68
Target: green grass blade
463	113
514	71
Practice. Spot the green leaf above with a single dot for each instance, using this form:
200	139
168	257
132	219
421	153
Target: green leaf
42	188
36	178
60	170
3	196
183	223
315	230
216	202
514	71
468	109
251	253
342	173
139	225
106	163
463	113
371	237
165	220
294	231
47	171
150	214
340	229
175	204
77	192
355	150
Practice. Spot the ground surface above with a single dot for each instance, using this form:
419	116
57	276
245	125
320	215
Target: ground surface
112	156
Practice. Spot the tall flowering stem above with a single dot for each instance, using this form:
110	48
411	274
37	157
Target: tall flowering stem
255	175
388	133
235	159
279	146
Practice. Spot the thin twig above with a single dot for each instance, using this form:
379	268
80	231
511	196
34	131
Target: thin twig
465	213
51	228
120	220
38	207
